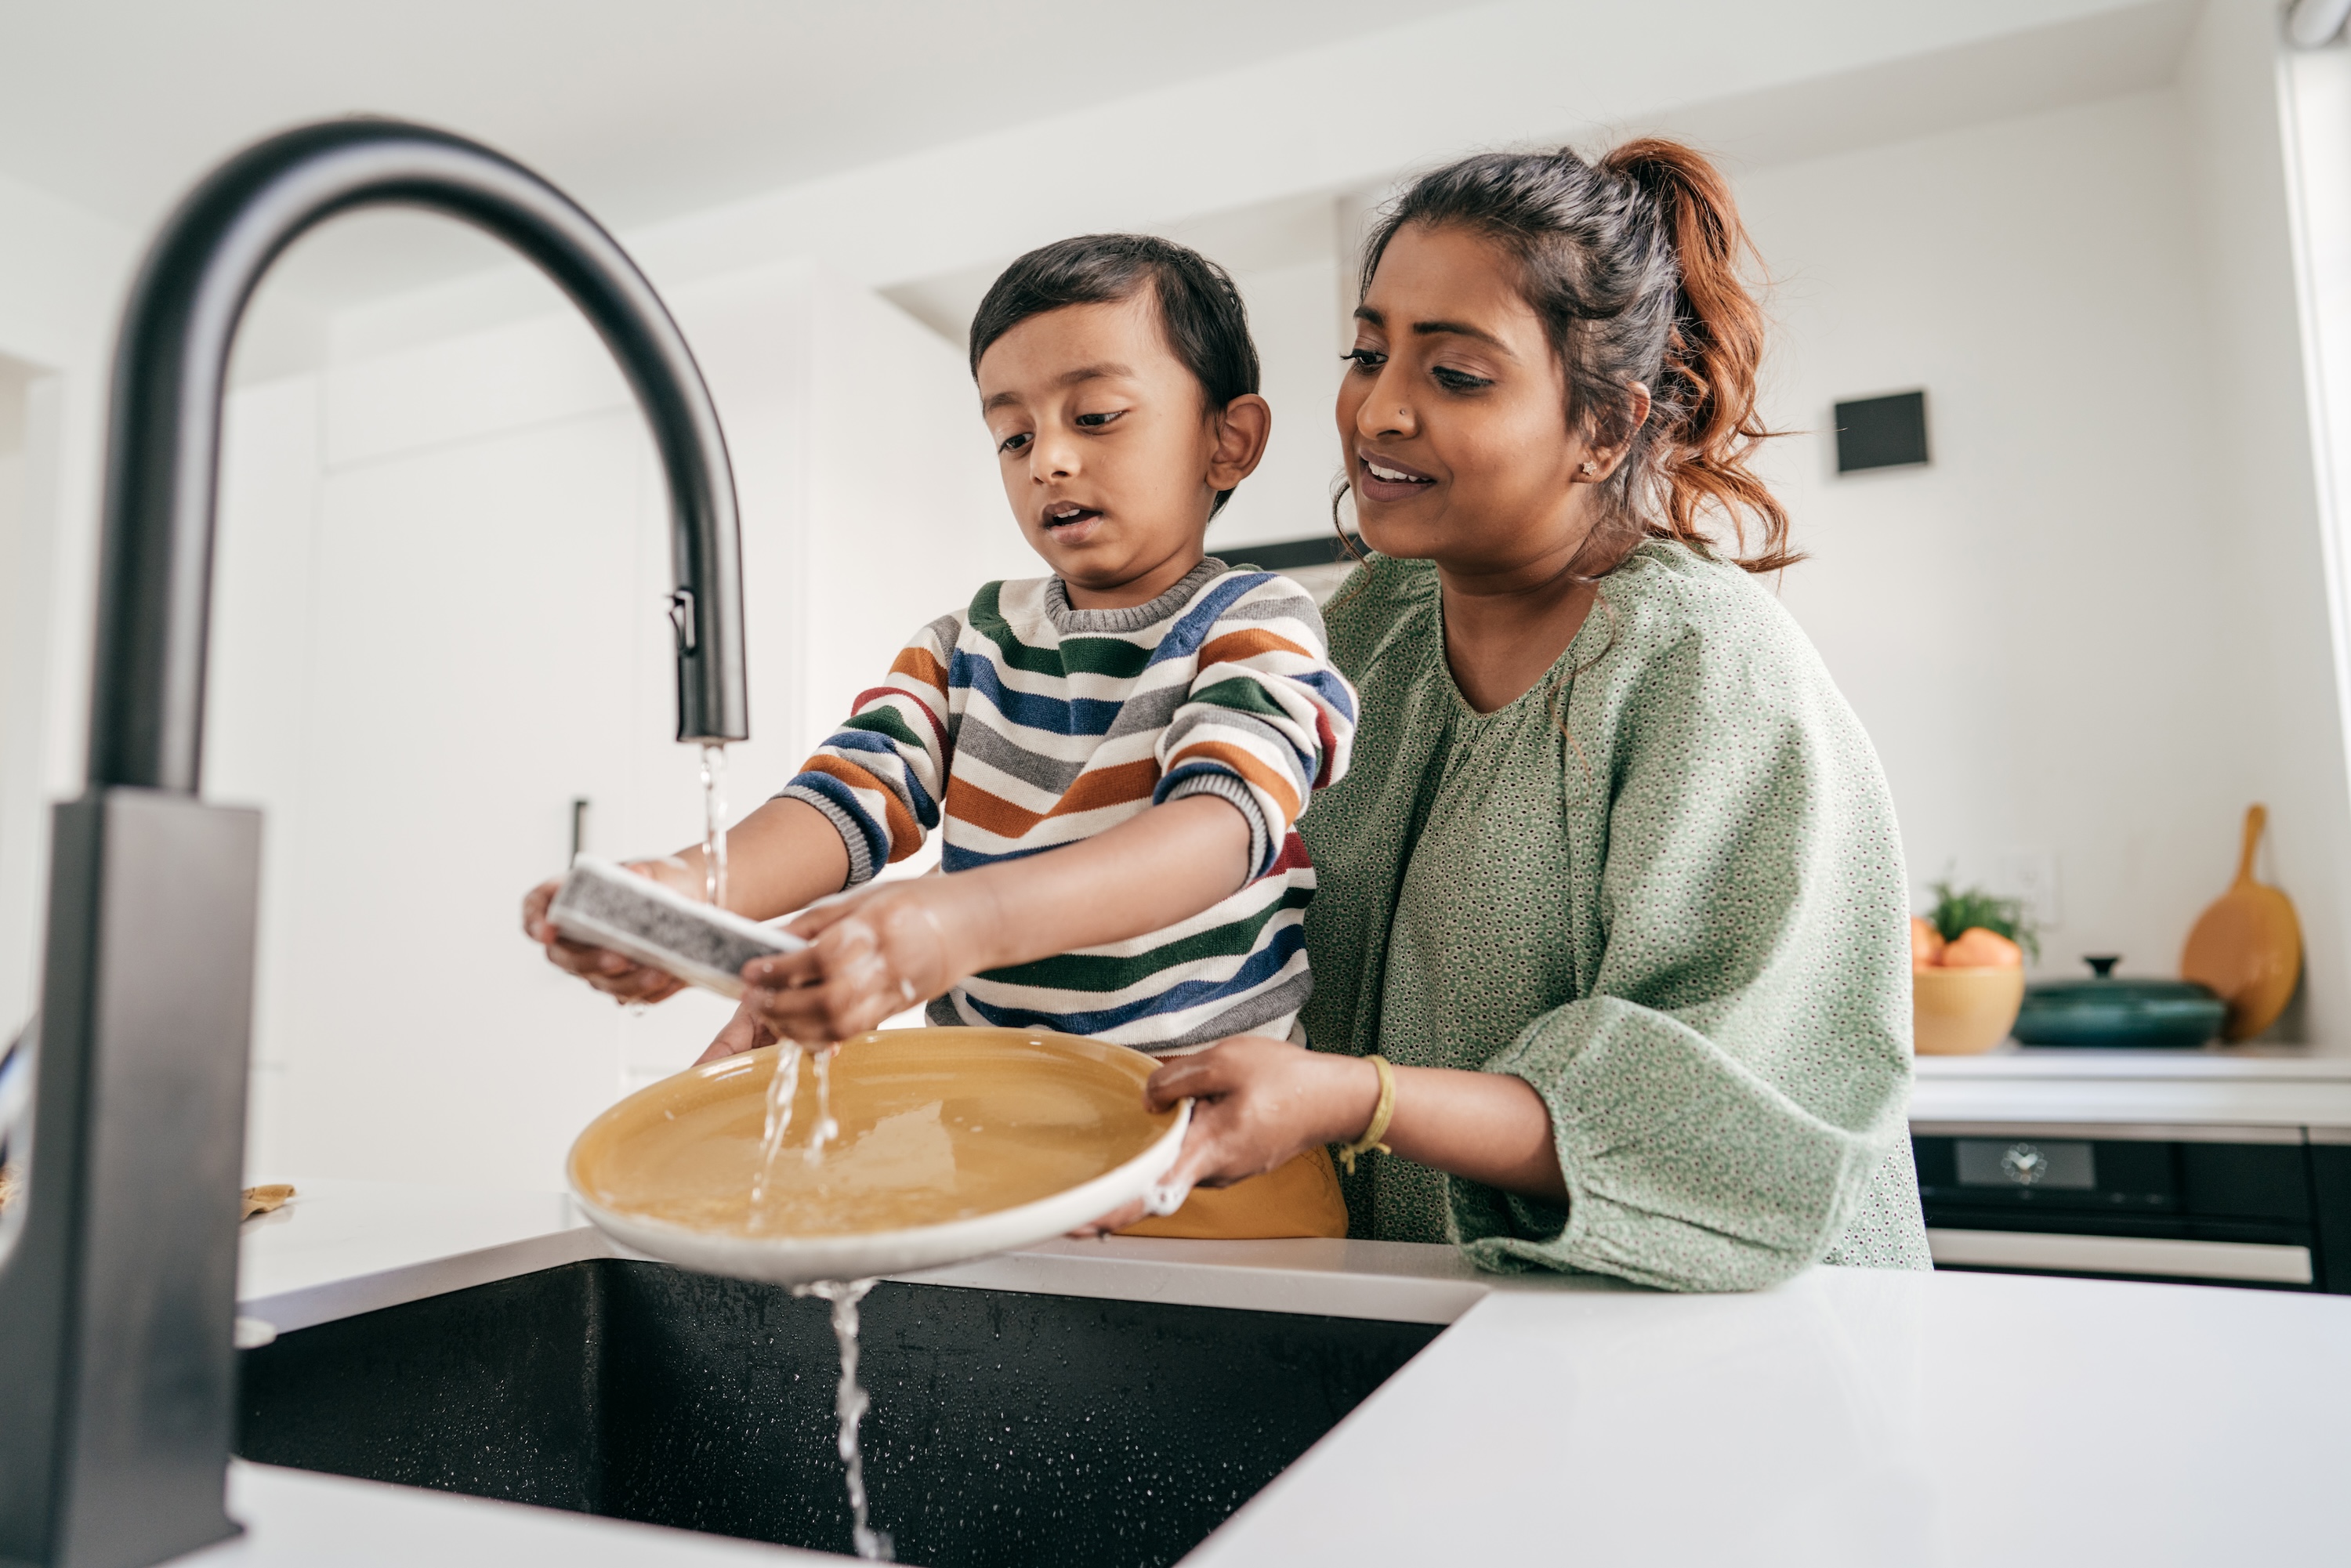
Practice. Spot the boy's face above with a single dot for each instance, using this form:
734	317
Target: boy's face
1109	458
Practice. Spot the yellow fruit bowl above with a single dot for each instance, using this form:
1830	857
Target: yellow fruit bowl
1964	1011
953	1144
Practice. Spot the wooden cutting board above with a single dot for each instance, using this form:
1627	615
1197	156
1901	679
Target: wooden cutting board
2248	946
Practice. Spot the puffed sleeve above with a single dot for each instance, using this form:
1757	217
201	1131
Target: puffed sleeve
1738	1075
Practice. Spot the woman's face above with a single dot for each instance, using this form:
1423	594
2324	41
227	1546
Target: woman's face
1453	415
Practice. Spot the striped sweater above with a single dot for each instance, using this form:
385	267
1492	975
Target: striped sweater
1021	723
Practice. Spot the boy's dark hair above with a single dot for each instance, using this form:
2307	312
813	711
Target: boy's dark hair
1199	308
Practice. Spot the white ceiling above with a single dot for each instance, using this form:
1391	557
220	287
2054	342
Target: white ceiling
642	110
663	116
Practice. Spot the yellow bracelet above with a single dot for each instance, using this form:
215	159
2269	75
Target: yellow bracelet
1381	1115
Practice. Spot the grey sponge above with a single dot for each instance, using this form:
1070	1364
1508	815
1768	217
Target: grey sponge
603	904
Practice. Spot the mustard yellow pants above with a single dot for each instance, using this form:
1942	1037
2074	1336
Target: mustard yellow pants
1299	1199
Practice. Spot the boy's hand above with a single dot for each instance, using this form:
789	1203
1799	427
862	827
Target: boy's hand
871	956
1255	1105
615	974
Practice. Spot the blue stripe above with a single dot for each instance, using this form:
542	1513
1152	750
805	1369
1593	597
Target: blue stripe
1191	629
953	857
1257	969
1331	689
877	843
1076	716
926	810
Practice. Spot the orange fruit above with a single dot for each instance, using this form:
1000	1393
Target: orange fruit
1926	943
1977	948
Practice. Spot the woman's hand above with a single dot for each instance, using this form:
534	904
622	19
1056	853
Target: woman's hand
871	955
743	1032
1256	1103
616	974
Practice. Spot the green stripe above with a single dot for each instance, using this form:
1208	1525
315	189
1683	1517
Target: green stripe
1241	696
1101	974
988	620
884	721
1112	656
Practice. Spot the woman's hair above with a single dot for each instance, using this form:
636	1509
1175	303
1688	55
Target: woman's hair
1632	264
1199	308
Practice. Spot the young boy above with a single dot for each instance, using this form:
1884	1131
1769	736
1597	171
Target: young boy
1156	719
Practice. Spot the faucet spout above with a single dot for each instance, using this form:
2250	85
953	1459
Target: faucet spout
118	1258
171	370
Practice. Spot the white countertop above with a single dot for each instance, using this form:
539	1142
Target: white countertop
1848	1417
2212	1089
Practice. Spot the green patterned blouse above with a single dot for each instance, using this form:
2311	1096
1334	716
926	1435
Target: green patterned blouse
1664	888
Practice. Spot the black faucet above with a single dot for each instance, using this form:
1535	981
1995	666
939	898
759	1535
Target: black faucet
118	1264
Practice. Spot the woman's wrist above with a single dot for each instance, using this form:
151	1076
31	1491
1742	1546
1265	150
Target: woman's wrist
1351	1099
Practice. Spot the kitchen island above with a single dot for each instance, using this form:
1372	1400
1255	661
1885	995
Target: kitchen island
1849	1417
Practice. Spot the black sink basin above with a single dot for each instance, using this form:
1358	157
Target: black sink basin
1005	1429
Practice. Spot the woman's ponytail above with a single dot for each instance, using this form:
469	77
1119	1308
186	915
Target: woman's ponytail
1634	266
1714	350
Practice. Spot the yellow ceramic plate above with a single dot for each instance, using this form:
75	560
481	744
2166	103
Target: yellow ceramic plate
954	1143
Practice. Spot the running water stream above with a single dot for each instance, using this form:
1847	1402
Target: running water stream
714	823
849	1403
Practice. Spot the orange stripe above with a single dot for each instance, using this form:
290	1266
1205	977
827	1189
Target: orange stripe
1235	646
905	835
1120	786
919	663
1252	772
1108	787
967	802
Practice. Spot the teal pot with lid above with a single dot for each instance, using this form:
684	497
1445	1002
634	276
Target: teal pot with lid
2109	1011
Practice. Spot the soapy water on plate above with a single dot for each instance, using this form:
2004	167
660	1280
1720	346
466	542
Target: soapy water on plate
783	1088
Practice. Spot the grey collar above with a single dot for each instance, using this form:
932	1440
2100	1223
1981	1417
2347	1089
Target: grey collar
1135	617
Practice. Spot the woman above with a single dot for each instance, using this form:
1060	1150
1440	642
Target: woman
1614	882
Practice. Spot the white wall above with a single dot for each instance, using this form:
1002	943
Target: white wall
62	272
16	382
1291	309
2289	711
2066	635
